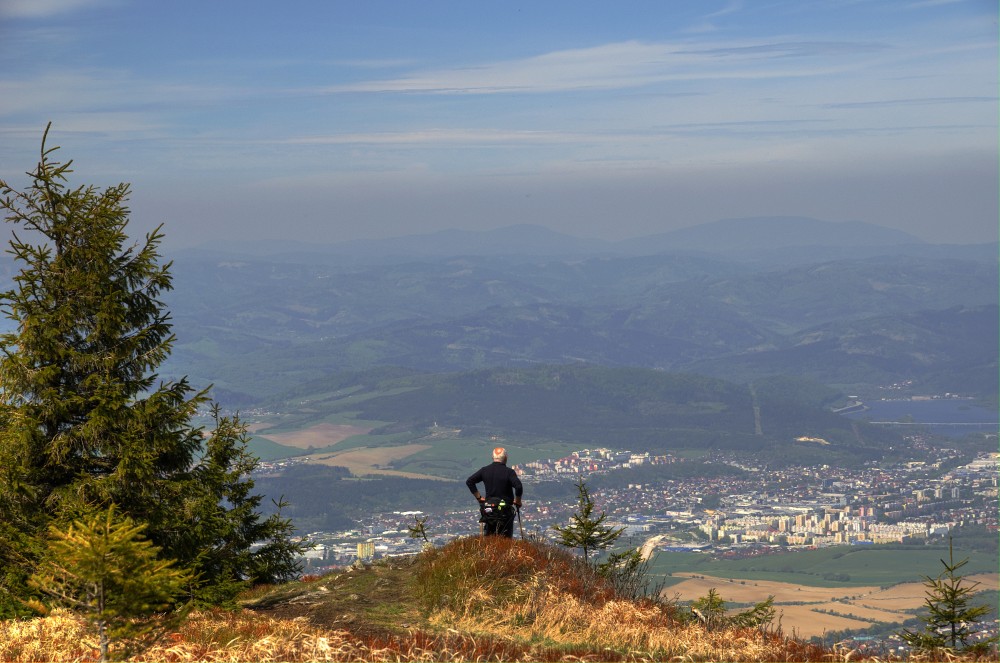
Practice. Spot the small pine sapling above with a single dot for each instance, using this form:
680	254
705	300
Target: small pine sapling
951	622
418	530
103	567
710	610
585	531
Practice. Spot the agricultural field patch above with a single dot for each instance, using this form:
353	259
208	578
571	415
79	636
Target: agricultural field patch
315	437
457	458
803	621
367	461
751	591
903	596
836	566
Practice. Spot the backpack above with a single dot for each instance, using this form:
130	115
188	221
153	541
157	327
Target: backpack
495	513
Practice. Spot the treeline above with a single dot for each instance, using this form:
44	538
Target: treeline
654	474
980	538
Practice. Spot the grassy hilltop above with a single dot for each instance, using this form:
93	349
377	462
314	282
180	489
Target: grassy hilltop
474	599
482	599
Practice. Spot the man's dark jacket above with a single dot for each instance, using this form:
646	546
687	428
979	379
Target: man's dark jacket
499	480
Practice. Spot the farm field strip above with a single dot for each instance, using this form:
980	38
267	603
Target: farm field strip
799	606
372	460
317	437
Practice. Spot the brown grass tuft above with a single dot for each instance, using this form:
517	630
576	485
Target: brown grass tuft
541	595
477	574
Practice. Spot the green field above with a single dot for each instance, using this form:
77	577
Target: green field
875	565
449	455
269	450
372	441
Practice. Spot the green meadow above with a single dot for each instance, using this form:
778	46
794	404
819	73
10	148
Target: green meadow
837	566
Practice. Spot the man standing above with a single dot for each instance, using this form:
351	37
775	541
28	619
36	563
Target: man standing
503	494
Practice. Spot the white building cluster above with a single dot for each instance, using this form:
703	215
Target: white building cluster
591	461
830	526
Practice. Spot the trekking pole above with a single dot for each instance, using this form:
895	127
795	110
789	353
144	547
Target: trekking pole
519	525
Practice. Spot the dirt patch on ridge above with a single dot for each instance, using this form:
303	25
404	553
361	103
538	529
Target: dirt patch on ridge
371	600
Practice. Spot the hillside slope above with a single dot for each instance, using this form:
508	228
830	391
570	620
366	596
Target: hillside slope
482	599
473	599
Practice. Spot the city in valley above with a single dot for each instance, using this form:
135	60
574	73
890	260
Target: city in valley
779	509
774	512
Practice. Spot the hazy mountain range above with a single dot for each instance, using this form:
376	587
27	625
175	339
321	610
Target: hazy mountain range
847	304
751	238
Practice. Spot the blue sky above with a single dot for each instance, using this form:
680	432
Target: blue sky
328	121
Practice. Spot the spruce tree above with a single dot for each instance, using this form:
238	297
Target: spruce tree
710	609
102	567
18	548
86	422
585	531
234	544
951	622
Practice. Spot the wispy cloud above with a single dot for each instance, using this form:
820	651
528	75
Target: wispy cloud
924	101
47	8
376	63
788	49
753	131
465	137
429	115
622	65
708	22
731	7
91	90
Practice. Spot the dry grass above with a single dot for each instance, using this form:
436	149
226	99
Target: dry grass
541	596
623	629
59	637
483	599
220	636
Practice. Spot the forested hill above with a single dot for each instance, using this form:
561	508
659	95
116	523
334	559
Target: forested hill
625	408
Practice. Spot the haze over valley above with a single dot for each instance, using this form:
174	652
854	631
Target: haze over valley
712	386
852	306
